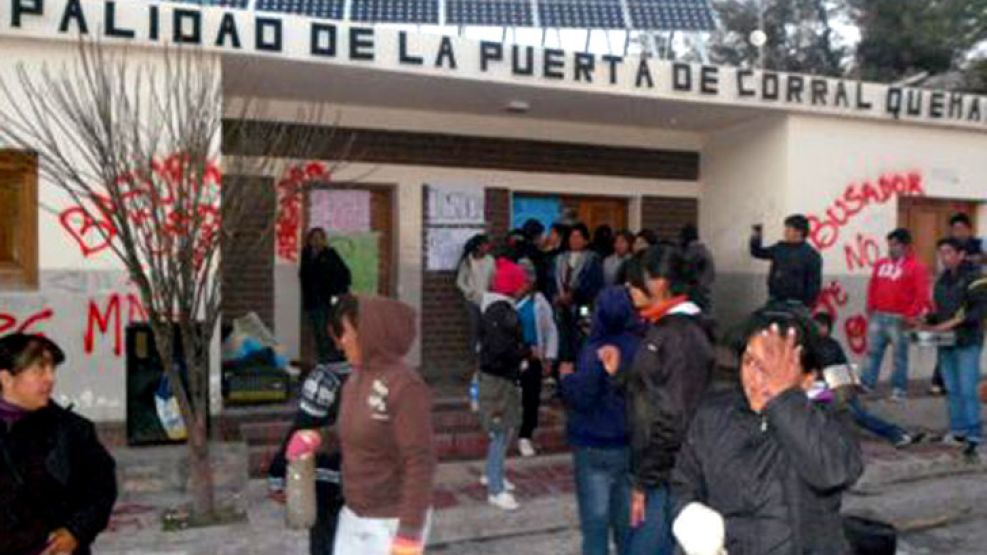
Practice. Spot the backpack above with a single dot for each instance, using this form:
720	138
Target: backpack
501	341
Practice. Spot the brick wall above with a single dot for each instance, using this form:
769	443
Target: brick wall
666	215
445	325
247	258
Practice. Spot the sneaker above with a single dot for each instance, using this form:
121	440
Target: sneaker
504	500
953	440
909	439
526	448
936	390
898	396
972	450
508	485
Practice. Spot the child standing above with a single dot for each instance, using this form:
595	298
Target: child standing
542	338
503	356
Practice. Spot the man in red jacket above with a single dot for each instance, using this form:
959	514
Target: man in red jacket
897	295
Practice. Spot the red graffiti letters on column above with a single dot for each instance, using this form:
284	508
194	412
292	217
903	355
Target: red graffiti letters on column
861	251
289	219
109	320
29	324
93	229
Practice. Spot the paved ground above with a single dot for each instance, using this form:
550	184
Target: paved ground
930	492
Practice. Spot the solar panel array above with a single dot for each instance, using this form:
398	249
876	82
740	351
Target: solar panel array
495	13
586	14
392	11
671	15
664	15
325	9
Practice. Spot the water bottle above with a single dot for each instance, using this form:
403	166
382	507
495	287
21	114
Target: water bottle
301	509
475	394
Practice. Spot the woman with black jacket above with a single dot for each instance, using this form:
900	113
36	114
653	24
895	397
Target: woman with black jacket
324	276
57	482
764	460
669	376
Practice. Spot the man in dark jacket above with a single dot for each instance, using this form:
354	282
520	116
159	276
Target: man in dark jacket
324	276
796	267
771	463
960	300
57	482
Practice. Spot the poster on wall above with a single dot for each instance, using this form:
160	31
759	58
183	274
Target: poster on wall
339	211
545	209
456	205
445	246
361	253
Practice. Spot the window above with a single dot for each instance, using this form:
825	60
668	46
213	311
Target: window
18	220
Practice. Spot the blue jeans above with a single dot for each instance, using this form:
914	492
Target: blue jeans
603	489
496	453
654	535
961	374
873	423
882	329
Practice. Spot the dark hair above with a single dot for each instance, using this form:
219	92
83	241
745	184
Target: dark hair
474	243
561	228
603	240
688	234
20	351
823	319
649	236
960	218
346	307
950	241
627	236
664	262
581	229
533	228
633	272
901	235
798	222
785	318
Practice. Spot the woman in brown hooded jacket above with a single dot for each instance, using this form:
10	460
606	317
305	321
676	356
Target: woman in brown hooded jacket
385	432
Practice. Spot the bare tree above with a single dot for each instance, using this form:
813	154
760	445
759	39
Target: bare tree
135	139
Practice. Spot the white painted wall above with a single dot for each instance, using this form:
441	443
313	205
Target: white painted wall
79	287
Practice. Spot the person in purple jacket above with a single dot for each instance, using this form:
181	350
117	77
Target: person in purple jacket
597	424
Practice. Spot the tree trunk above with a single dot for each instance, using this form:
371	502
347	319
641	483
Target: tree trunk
200	469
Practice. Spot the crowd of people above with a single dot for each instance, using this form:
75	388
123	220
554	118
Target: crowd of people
623	323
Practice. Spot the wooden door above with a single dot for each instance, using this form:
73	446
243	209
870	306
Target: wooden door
928	221
597	211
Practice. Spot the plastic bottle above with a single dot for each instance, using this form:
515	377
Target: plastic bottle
301	510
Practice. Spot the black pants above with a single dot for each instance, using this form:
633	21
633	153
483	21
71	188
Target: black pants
937	378
328	501
530	398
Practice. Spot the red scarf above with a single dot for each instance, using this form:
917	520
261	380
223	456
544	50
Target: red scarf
658	311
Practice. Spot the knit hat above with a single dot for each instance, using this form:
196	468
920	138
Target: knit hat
508	278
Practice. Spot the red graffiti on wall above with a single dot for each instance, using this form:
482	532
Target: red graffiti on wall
163	206
864	253
855	328
831	299
12	324
109	320
289	221
825	231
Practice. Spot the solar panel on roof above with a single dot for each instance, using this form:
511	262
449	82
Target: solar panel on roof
239	4
581	14
326	9
672	15
496	13
395	11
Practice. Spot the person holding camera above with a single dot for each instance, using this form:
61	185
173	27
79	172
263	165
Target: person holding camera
795	276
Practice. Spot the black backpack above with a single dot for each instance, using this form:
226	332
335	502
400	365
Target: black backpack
501	340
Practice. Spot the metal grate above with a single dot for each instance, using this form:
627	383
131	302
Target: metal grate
496	13
581	14
396	11
325	9
672	15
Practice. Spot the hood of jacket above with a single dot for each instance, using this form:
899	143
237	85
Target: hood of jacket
490	298
613	314
387	330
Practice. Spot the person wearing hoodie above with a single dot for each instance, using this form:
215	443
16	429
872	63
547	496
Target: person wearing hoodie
385	432
542	338
597	425
503	356
898	294
664	385
796	268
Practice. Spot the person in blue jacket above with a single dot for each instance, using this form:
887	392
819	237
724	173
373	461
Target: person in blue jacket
597	424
